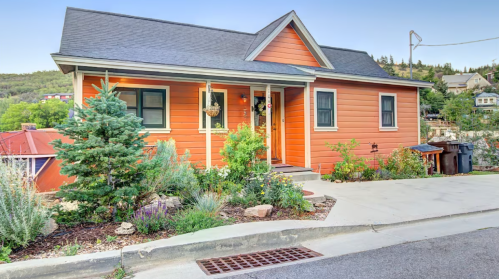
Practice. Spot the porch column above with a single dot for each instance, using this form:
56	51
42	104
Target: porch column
208	125
306	119
268	126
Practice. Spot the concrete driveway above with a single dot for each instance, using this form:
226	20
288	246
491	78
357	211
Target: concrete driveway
384	202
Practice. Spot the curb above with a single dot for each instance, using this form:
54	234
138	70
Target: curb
142	256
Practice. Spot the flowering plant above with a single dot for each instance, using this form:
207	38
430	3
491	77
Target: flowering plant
150	218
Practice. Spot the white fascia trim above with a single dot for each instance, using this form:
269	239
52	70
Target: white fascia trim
269	38
30	156
367	79
167	128
335	110
226	118
277	31
395	116
138	66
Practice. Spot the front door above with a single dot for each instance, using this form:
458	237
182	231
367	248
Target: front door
261	119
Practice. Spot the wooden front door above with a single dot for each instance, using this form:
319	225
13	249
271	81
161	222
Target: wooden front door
261	119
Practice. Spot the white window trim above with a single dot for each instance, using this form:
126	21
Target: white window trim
335	111
167	128
395	127
226	118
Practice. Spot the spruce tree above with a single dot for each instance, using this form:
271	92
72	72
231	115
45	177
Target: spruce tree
104	156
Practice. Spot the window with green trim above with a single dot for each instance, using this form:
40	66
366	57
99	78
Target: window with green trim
325	109
149	104
216	97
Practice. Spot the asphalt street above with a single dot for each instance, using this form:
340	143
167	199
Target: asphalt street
468	255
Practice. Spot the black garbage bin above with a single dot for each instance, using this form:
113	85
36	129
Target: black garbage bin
448	159
465	157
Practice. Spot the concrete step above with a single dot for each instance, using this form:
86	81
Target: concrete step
303	176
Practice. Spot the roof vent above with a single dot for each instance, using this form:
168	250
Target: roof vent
28	126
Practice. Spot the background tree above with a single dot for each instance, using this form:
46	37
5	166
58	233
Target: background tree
104	156
419	65
430	76
461	105
15	115
49	114
44	115
496	75
403	66
441	86
389	69
384	60
391	60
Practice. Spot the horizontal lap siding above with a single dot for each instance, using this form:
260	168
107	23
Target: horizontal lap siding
358	118
184	114
288	48
295	130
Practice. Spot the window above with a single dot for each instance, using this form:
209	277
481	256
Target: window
388	112
476	80
491	100
479	101
217	96
147	103
485	101
325	106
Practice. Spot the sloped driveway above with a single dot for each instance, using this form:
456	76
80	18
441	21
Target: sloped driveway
393	201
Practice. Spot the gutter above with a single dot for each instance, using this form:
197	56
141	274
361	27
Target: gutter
358	78
140	66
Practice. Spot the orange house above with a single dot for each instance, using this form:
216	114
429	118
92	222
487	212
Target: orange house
304	93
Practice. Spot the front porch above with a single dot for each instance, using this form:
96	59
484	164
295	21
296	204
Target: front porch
172	107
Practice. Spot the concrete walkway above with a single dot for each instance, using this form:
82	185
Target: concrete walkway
393	201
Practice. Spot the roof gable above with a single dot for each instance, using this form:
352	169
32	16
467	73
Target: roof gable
288	48
291	20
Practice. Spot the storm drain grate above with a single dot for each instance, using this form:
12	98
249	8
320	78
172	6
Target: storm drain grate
258	259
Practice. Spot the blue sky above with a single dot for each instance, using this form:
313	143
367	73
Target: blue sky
31	30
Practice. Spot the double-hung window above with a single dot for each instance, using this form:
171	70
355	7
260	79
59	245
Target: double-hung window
149	104
325	116
388	111
218	96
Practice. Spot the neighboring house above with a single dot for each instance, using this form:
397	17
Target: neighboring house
33	146
463	81
487	101
61	96
308	94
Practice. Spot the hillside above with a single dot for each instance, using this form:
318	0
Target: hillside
41	82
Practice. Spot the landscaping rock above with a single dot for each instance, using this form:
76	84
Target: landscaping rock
337	181
260	211
125	228
154	198
175	200
320	204
155	204
224	215
310	207
49	227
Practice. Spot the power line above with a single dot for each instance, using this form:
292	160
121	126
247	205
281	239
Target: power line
461	43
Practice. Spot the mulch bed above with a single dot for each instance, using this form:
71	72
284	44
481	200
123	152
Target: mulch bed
92	237
237	213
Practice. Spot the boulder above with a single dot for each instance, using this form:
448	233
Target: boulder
337	181
320	204
260	211
125	228
154	198
224	215
69	206
49	227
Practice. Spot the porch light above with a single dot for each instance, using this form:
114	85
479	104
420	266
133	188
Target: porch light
243	96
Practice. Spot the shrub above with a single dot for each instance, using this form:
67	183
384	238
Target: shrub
170	173
277	190
71	249
4	254
194	220
210	203
403	163
151	218
351	163
105	154
327	176
22	215
368	173
241	151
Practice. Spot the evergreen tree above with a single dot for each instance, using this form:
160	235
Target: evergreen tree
430	76
403	66
441	86
384	60
496	74
389	69
465	70
391	60
104	156
419	65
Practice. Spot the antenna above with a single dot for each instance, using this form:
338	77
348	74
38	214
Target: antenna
410	46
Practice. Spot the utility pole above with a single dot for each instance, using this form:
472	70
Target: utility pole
410	47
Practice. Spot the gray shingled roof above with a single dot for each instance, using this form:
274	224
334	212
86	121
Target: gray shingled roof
110	36
457	80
